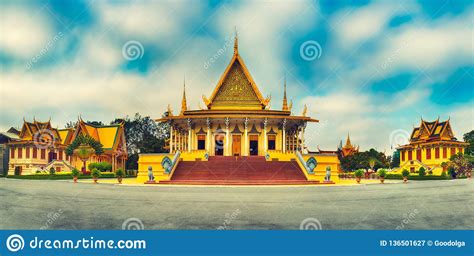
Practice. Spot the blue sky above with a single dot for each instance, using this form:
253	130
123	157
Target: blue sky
379	66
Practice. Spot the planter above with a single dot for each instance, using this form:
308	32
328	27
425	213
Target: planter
74	179
119	179
382	179
358	179
405	179
95	179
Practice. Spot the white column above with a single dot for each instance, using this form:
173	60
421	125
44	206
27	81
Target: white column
246	137
208	138
190	139
180	144
284	135
297	137
302	138
227	139
265	139
171	139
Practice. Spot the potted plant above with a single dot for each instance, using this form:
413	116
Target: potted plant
95	174
382	172
119	173
75	173
358	174
405	174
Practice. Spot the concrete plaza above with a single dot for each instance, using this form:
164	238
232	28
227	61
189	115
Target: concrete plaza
34	204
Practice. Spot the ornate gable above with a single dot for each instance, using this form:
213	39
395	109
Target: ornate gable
236	88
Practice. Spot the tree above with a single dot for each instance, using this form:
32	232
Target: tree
462	164
395	161
143	135
363	160
469	137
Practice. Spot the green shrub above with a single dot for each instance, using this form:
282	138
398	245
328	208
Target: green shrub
120	173
359	173
92	166
422	172
382	173
102	166
52	171
75	172
443	174
405	173
95	173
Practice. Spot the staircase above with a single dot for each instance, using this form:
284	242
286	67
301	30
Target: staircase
253	170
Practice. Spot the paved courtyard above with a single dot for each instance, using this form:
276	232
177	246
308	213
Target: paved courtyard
26	204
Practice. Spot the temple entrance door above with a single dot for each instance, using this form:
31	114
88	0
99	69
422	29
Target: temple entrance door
253	145
219	148
236	145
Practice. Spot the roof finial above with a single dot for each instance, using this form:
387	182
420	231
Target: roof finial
236	42
184	105
348	141
285	101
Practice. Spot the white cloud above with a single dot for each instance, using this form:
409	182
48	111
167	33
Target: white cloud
354	26
24	32
436	47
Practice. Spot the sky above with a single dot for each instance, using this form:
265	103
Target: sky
371	69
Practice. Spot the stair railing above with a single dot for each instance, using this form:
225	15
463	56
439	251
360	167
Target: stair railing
299	158
174	162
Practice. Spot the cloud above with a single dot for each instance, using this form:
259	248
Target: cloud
438	46
353	26
25	32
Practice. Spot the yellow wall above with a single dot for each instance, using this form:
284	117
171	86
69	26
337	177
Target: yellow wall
153	160
431	163
323	160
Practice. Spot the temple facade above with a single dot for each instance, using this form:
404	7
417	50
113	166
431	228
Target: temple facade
431	144
237	119
40	147
237	139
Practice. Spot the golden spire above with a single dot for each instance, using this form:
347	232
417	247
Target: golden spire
183	102
348	142
285	101
236	43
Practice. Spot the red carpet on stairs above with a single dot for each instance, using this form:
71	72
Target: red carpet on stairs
252	170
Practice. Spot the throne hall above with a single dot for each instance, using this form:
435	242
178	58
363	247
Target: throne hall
236	127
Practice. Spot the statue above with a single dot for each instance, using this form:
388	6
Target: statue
328	174
305	109
151	178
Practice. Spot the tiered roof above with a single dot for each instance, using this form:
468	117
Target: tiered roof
237	95
432	131
111	137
